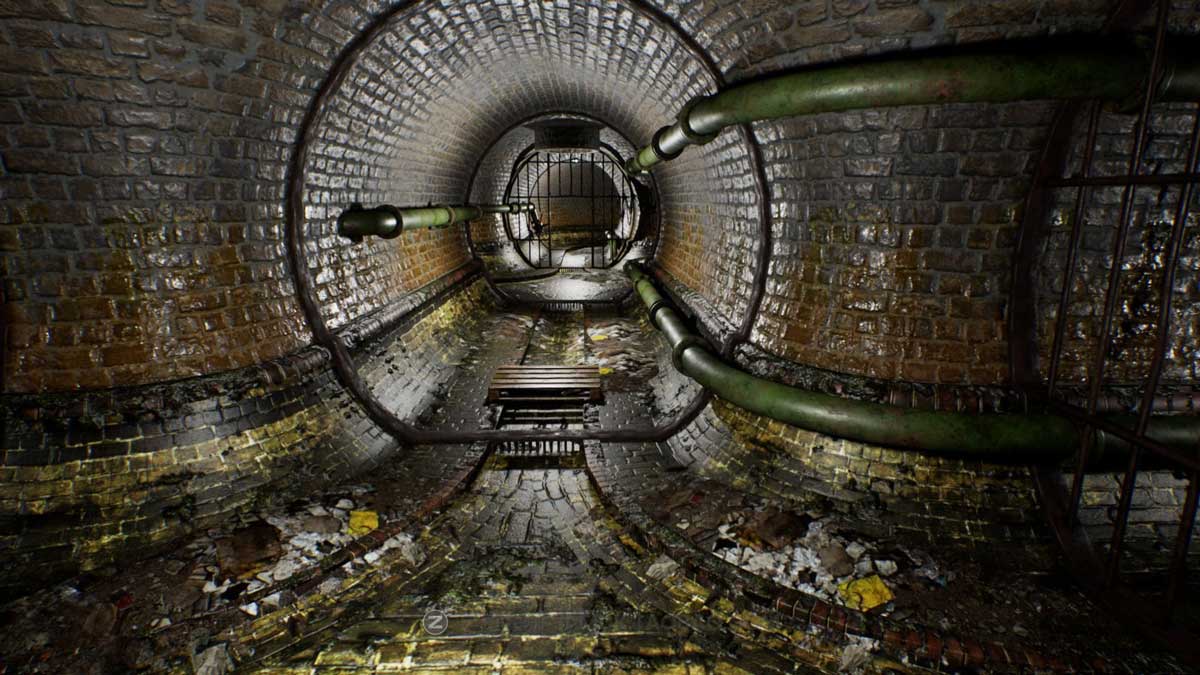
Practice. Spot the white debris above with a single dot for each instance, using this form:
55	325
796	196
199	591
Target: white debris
212	661
160	623
816	563
255	586
662	568
271	601
317	510
929	571
855	550
251	608
345	504
285	568
857	655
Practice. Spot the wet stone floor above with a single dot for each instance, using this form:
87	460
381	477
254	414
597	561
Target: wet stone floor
578	558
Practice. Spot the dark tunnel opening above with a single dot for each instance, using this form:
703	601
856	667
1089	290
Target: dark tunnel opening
629	336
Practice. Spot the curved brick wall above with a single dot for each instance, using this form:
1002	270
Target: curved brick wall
492	175
144	153
144	156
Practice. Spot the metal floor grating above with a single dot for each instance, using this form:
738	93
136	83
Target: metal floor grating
538	448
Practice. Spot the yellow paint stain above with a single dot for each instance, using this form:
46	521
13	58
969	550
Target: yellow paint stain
606	371
599	337
866	593
362	522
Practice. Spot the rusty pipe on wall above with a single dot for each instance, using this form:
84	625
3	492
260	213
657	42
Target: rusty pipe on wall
387	222
1113	72
1000	438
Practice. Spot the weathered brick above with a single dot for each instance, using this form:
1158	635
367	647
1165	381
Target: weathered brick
17	60
113	165
77	62
100	13
210	35
140	118
53	10
902	21
58	114
37	161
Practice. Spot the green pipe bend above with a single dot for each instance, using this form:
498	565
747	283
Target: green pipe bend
1006	438
1110	72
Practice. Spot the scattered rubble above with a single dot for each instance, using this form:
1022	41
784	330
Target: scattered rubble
772	544
219	574
100	620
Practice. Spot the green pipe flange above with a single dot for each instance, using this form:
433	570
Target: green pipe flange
656	146
653	309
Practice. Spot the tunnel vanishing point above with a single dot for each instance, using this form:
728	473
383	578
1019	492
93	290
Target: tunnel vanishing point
599	336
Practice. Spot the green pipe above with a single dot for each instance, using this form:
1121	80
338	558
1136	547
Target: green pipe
388	222
1007	438
1114	72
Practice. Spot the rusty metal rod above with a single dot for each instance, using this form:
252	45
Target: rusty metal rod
1064	300
1129	480
1183	540
1188	516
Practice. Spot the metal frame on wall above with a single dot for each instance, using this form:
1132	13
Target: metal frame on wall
1061	492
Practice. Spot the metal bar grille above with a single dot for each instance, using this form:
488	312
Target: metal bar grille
1066	516
586	209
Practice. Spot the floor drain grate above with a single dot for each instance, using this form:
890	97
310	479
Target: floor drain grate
561	306
538	448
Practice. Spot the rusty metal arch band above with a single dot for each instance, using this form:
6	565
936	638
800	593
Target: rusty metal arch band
340	358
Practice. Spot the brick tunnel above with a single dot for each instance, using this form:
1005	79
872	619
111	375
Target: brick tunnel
896	385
